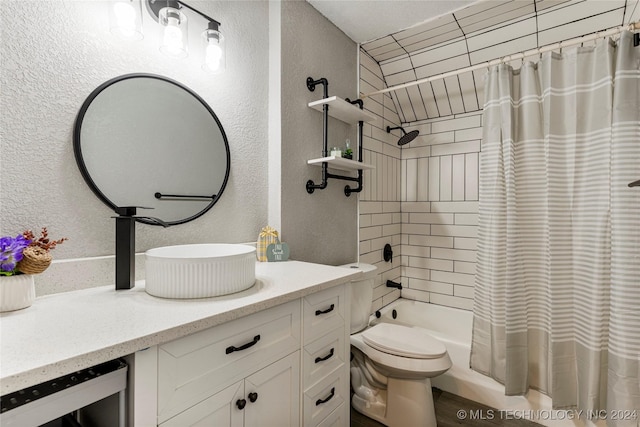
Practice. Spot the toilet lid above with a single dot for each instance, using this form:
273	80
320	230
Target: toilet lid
403	341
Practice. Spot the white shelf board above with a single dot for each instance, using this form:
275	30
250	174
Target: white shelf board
340	163
343	110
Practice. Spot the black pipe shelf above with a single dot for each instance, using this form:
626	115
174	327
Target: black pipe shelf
348	112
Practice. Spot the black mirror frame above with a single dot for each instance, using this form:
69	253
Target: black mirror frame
77	149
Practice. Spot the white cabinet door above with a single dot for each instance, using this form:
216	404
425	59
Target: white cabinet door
219	410
273	394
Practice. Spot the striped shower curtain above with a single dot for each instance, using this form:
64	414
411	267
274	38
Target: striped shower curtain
557	293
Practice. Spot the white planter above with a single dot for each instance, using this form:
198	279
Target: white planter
16	292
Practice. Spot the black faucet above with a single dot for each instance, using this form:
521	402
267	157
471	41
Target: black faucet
126	245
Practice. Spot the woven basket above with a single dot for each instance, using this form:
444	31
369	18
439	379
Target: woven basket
35	260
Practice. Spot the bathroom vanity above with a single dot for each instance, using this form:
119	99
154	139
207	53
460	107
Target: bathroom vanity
275	354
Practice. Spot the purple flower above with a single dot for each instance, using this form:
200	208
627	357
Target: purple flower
11	252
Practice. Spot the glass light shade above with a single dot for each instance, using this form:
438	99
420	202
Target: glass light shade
174	32
214	51
125	19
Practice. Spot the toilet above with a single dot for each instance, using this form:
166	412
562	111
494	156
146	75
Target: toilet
391	364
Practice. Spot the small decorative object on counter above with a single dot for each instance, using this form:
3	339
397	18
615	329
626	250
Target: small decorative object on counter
335	151
348	152
268	235
20	258
277	252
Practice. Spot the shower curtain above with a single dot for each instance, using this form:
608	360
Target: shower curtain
557	292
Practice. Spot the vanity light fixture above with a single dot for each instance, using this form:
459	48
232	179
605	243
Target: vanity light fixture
171	16
125	19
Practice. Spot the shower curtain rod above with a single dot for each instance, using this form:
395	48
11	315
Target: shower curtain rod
537	51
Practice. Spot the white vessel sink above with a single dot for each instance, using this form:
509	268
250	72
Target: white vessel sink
199	271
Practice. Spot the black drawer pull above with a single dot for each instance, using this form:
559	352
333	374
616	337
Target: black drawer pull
328	398
231	348
241	403
322	359
328	310
253	397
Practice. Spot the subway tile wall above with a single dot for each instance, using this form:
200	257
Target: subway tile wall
439	210
380	201
422	199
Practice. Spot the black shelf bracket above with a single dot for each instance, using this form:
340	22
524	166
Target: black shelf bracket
312	186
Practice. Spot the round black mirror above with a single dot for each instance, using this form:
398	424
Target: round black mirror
146	140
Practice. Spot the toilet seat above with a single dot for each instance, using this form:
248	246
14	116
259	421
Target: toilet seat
403	341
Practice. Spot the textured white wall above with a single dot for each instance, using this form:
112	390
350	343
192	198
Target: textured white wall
54	53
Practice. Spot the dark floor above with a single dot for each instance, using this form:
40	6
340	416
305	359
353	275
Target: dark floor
452	410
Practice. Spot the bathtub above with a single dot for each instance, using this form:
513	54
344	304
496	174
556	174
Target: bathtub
453	328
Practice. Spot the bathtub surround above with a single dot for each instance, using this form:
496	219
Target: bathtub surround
379	207
556	294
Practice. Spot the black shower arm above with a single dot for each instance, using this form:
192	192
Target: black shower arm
635	183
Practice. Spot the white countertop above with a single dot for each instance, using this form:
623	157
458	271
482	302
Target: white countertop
66	332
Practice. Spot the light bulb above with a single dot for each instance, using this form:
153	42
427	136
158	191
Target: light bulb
173	37
213	56
125	21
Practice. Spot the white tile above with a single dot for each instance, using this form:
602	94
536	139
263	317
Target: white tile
466	219
457	191
403	181
418	273
440	53
443	66
432	264
469	94
388	230
415	295
423	179
417	101
381	219
580	10
454	230
455	96
455	278
434	178
455	207
432	241
455	148
370	207
415	152
375	44
472	134
415	207
454	254
456	124
431	218
480	8
416	251
478	76
412	180
442	100
404	104
515	31
367	233
579	28
416	229
439	138
510	11
365	220
463	291
429	101
465	243
464	267
471	176
430	286
401	77
504	48
445	178
397	65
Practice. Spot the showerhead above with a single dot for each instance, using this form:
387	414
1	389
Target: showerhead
406	137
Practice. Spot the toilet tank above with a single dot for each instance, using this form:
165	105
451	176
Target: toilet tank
361	295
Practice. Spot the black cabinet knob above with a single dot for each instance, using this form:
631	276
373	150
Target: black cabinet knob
241	403
253	397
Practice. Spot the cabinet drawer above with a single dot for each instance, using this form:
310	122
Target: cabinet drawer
324	397
195	367
338	418
323	356
323	312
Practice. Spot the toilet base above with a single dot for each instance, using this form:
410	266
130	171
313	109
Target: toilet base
404	403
